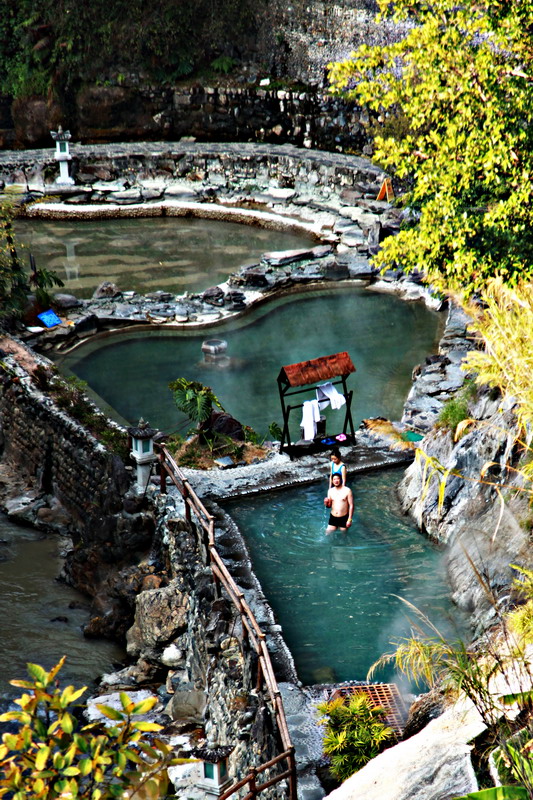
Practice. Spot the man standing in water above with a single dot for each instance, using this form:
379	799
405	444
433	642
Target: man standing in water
340	500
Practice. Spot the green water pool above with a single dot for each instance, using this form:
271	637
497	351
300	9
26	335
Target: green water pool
336	596
384	336
176	254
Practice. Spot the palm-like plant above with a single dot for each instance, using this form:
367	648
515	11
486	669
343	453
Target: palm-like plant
355	732
194	399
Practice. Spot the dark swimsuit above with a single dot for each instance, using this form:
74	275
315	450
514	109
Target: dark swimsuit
338	522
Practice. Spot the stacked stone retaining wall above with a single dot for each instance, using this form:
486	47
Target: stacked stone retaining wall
55	455
303	117
131	173
181	622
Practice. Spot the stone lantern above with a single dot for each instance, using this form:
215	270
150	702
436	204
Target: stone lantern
142	451
214	778
62	138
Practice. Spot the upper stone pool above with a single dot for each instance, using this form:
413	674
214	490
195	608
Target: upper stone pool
175	254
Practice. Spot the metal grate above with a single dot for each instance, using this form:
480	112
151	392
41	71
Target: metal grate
380	694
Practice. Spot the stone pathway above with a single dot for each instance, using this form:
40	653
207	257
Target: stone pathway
306	736
279	472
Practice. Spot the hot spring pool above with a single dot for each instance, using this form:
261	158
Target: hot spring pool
175	254
336	596
384	336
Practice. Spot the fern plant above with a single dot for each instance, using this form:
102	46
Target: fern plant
355	733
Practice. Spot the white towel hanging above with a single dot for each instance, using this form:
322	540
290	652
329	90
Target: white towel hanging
326	393
310	417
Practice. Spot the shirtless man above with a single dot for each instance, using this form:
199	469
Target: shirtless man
340	500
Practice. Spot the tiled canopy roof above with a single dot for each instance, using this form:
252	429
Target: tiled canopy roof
316	370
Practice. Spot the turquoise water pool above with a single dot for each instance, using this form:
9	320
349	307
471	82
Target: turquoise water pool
384	336
336	596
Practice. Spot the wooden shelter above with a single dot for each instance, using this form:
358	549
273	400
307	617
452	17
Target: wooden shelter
307	376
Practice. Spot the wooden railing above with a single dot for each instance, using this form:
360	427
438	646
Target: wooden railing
252	633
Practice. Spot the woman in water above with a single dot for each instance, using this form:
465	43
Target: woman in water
337	467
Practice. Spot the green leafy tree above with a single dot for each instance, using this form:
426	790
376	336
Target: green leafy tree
13	279
55	46
15	283
52	755
355	733
462	76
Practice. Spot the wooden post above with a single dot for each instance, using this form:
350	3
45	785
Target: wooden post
293	783
286	434
216	580
162	471
348	416
285	437
253	782
185	495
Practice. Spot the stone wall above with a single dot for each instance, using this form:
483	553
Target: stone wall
60	479
194	634
306	35
55	453
207	113
132	173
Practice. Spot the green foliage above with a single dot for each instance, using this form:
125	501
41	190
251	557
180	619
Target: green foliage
194	399
52	755
519	745
355	733
69	394
520	619
455	410
15	285
223	64
498	793
505	325
252	436
461	76
50	47
422	660
275	431
40	281
13	281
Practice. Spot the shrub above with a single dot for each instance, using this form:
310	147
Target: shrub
223	64
53	755
355	733
455	410
275	431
